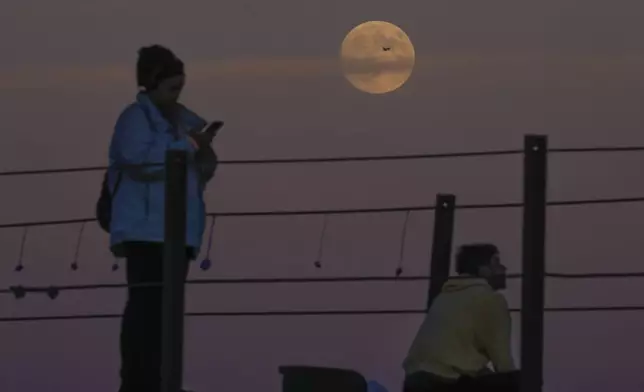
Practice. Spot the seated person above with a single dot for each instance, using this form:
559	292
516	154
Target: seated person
467	327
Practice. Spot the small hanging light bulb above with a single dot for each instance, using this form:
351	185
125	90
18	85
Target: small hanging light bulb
206	263
74	266
52	292
20	266
318	261
19	292
403	237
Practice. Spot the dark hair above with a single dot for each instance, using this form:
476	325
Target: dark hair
471	257
156	63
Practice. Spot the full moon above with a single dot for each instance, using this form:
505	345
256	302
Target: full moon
377	57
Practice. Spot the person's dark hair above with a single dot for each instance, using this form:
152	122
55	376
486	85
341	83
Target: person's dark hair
156	63
471	257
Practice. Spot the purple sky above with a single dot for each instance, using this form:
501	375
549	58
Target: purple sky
486	73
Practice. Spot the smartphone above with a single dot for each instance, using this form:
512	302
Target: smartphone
213	127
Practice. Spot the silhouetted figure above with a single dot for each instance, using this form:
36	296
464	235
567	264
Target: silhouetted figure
144	131
467	327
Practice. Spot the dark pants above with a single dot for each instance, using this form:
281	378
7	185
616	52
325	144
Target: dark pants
496	382
427	382
141	322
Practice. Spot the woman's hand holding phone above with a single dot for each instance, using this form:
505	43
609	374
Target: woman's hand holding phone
203	136
213	128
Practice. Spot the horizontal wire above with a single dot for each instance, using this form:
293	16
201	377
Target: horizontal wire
398	157
244	213
564	309
608	200
324	212
347	279
46	223
558	203
12	173
596	149
332	279
619	200
596	275
308	313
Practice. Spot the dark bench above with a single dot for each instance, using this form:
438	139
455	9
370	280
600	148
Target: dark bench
321	379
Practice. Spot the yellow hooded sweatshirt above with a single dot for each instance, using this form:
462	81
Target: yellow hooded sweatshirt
467	326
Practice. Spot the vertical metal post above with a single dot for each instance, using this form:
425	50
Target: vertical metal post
174	260
534	238
441	245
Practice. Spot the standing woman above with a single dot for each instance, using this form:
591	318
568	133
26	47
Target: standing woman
144	131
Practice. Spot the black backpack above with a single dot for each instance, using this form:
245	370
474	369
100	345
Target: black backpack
104	203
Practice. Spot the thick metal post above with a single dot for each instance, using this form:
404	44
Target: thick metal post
174	260
534	243
441	245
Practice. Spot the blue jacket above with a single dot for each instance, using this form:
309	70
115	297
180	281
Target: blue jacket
374	386
142	135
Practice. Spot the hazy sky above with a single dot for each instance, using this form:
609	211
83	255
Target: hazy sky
486	73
